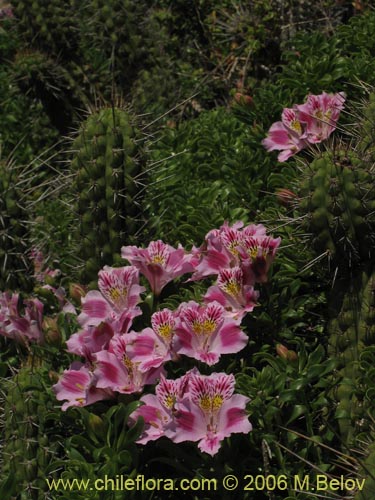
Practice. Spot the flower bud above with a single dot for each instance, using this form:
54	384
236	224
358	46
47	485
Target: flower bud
77	291
51	331
285	197
96	424
285	353
243	99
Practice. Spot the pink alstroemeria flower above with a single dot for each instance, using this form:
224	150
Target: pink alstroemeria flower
320	113
160	263
311	122
211	412
287	136
21	327
152	347
116	370
226	248
231	292
91	340
205	332
257	255
77	387
219	251
158	410
117	299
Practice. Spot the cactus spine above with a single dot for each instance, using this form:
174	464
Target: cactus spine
108	165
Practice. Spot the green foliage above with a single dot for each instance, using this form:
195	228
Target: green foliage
204	173
113	28
26	129
290	402
313	62
107	167
104	446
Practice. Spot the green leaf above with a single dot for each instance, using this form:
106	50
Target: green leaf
297	412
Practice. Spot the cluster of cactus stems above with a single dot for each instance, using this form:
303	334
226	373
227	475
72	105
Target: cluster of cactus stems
49	24
336	202
26	447
108	170
115	27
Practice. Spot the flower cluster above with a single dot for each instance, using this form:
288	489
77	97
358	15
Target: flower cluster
24	320
42	274
194	408
304	124
20	325
118	359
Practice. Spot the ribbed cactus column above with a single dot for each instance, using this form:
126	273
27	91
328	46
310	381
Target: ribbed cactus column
26	448
349	334
14	264
114	27
108	166
338	200
336	203
52	25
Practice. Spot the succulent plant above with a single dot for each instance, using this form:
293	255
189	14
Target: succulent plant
14	262
336	197
338	201
108	170
51	25
349	334
26	445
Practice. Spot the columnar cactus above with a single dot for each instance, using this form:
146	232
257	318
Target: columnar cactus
49	24
114	24
350	332
14	263
26	447
107	165
338	201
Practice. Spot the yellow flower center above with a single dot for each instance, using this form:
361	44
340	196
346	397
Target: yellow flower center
232	288
252	252
128	363
206	327
165	331
296	125
205	403
209	326
158	259
217	401
169	401
211	404
117	294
